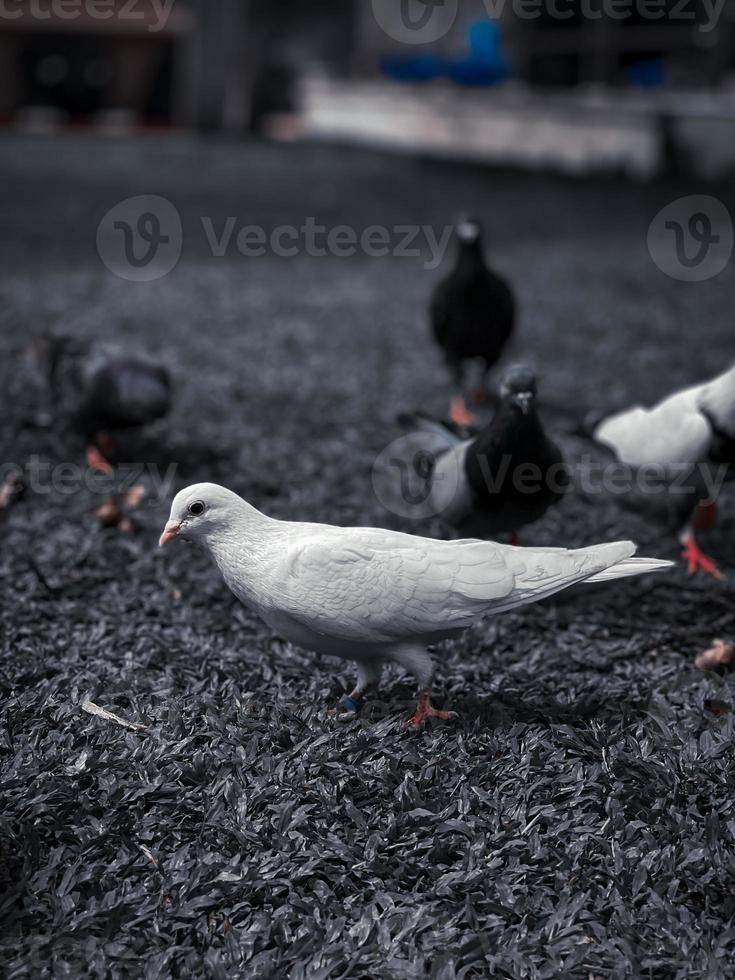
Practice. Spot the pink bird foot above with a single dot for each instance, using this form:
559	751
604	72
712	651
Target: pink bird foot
459	413
697	561
425	710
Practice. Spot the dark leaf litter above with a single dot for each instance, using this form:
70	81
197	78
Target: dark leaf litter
579	819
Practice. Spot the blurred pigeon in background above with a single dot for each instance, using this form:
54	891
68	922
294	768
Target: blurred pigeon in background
377	596
101	389
690	436
473	313
501	479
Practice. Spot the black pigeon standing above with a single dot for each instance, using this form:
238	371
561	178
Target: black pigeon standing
473	314
100	390
121	392
506	476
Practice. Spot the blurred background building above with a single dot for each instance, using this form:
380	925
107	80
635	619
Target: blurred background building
639	86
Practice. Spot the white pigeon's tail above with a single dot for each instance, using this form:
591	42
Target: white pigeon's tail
631	566
548	571
606	562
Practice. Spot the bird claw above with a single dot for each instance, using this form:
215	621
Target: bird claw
697	561
420	717
425	710
459	413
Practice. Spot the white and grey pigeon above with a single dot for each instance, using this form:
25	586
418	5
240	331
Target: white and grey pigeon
686	433
480	486
377	596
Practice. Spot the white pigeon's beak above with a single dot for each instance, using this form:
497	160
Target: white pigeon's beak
170	531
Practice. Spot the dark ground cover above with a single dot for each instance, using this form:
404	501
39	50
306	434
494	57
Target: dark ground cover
577	821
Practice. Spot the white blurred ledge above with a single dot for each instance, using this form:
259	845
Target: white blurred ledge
579	132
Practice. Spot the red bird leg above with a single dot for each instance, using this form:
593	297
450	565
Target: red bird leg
695	558
97	462
459	413
515	540
97	453
425	710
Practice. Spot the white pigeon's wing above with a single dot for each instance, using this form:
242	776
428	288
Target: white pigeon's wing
372	586
672	433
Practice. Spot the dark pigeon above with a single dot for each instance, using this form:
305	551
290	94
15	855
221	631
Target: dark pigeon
100	390
503	478
473	313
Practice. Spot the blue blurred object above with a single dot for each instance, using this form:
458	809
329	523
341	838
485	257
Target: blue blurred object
647	74
412	67
485	63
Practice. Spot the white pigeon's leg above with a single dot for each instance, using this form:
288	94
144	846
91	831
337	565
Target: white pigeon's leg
368	677
418	662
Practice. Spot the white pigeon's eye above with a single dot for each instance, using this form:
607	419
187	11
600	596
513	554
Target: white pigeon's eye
196	509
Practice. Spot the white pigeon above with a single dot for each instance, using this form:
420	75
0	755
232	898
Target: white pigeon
376	596
685	432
